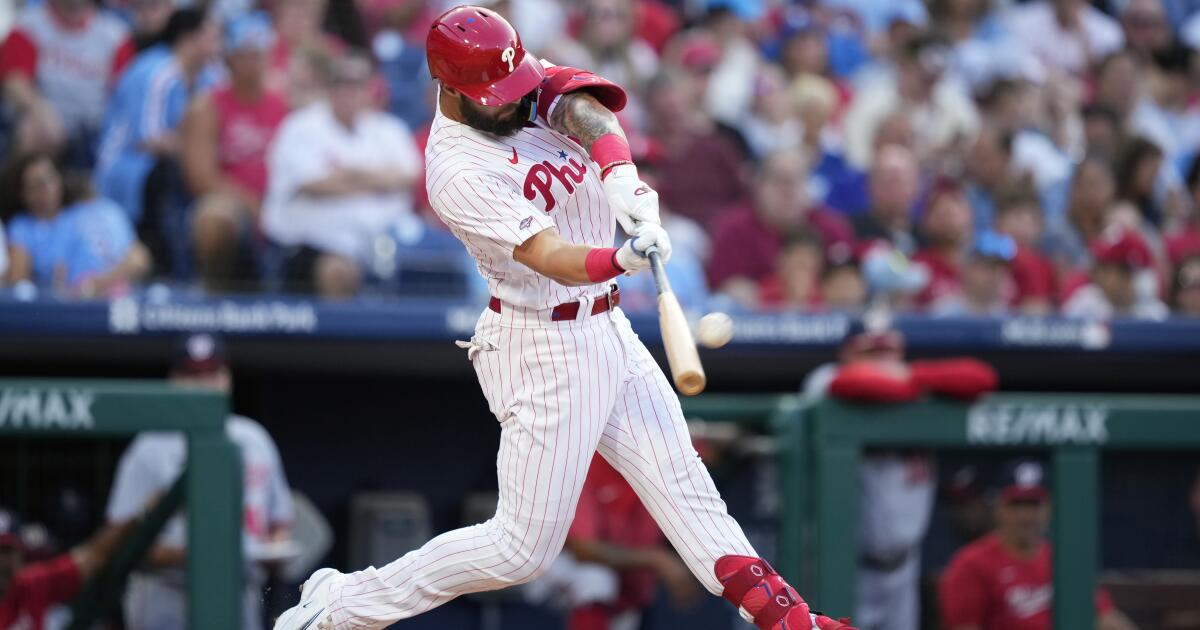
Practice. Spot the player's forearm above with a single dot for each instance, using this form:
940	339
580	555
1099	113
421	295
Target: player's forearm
92	555
581	116
564	263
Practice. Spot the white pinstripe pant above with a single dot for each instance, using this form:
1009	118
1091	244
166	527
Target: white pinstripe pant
561	391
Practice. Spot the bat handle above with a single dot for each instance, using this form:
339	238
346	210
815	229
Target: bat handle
661	284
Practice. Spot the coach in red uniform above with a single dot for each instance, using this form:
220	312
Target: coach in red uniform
30	592
1003	581
613	529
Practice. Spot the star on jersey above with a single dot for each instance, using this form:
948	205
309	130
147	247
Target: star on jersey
562	155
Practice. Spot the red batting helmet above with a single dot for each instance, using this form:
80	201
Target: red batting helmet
478	53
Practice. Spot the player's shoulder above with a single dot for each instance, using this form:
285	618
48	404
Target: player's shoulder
984	552
245	430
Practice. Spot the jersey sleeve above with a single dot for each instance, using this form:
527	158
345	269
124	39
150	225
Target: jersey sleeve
296	158
483	207
279	494
962	594
134	485
121	58
18	55
166	100
565	79
3	254
44	584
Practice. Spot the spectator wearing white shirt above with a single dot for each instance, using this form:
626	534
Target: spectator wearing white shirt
939	107
340	178
1124	281
157	595
1165	114
1066	35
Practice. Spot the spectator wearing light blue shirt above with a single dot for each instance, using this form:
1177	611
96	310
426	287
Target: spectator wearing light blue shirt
137	157
84	248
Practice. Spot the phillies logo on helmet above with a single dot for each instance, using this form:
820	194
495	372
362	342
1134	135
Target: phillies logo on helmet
477	52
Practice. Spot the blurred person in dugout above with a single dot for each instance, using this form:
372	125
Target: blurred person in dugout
226	134
614	559
896	488
34	592
1004	580
340	178
156	597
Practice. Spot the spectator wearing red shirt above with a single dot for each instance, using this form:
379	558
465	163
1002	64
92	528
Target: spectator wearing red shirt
57	67
1003	581
750	236
28	592
613	529
796	281
947	229
1019	216
226	135
700	165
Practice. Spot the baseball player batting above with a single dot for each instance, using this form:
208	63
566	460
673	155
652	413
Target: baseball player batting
528	166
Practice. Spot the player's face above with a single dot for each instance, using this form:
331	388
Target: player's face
505	120
1023	522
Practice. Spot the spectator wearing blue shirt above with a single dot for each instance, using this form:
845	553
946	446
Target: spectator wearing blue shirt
3	257
137	163
83	248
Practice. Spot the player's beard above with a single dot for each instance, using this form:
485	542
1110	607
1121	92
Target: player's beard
505	126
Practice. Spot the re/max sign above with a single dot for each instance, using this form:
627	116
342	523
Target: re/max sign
1037	423
46	409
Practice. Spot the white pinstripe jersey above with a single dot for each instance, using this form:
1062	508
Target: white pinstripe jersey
495	192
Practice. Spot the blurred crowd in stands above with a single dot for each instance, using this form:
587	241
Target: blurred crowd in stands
954	157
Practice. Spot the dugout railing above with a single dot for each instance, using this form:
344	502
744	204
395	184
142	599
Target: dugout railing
211	487
820	446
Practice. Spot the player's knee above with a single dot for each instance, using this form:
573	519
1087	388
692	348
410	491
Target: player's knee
528	556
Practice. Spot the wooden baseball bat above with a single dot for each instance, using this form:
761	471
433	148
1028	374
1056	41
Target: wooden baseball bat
677	335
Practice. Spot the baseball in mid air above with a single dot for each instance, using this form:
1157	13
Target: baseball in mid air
714	330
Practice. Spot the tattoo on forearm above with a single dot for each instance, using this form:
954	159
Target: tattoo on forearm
580	115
